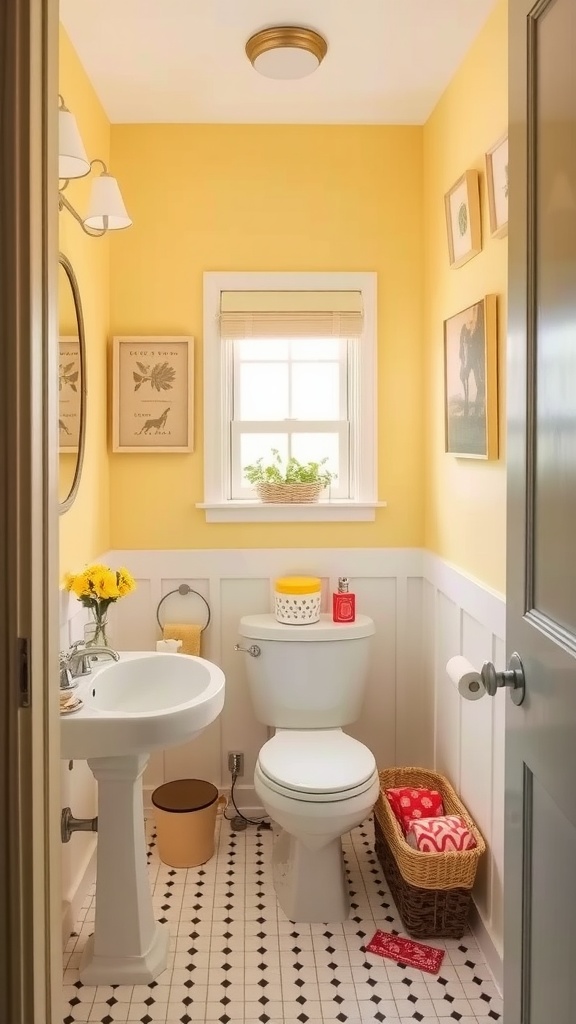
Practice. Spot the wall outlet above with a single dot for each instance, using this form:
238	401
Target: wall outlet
236	763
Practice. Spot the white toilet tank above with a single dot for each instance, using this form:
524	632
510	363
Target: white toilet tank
306	677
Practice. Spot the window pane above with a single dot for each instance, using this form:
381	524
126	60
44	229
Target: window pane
315	348
254	446
266	349
315	391
315	447
263	391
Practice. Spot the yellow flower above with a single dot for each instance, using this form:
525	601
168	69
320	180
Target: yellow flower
104	584
98	582
126	582
68	580
80	585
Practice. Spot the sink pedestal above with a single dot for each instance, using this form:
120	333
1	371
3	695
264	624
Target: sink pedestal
128	946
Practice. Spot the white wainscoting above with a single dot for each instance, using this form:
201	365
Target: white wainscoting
464	617
78	791
425	612
398	709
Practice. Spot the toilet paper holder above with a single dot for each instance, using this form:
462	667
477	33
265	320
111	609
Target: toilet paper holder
472	685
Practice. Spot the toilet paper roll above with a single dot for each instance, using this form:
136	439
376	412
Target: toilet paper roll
466	678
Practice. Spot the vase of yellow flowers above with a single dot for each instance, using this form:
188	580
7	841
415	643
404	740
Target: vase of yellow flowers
97	587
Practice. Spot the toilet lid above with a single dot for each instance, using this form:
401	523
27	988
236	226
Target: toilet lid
316	761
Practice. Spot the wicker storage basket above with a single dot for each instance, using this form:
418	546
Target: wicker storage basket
288	492
431	890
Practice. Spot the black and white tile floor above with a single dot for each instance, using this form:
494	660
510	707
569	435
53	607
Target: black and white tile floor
236	958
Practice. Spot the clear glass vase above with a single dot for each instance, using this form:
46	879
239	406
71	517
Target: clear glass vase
95	632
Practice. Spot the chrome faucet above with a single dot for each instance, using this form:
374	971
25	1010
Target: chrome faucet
76	662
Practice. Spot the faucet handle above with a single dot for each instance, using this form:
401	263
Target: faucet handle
77	643
66	678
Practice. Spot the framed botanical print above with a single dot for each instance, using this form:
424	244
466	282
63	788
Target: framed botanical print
463	226
471	381
69	394
152	394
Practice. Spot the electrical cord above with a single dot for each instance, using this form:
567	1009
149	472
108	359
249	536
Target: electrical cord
262	822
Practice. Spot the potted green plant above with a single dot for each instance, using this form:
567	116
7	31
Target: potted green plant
296	481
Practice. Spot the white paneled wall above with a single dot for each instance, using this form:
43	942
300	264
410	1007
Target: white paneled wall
467	618
397	712
425	612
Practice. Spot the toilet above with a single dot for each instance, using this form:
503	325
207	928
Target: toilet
315	781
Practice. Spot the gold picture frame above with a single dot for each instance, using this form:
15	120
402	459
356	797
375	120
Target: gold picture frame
463	224
497	185
69	394
152	394
471	381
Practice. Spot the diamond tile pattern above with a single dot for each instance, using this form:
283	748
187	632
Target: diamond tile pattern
236	959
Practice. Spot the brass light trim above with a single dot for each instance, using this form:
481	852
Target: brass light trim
282	36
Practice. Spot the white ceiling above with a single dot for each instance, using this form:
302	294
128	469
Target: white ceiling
388	61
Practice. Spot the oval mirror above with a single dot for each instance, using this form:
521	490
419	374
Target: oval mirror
71	384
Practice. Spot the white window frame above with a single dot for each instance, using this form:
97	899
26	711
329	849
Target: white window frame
218	383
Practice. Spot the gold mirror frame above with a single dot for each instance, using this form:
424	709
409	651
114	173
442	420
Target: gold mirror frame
69	270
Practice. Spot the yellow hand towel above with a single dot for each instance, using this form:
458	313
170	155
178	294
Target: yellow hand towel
189	633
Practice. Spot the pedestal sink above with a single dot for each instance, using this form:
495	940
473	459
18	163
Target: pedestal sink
142	702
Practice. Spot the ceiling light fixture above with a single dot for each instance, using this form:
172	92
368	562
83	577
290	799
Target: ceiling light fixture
286	51
106	210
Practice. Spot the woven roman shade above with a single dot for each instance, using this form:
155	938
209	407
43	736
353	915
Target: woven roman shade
290	314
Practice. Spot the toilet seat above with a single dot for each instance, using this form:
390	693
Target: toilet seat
316	765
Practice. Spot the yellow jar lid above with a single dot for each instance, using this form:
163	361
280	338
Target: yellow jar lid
298	585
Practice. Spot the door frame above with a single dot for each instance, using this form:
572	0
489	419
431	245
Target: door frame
30	902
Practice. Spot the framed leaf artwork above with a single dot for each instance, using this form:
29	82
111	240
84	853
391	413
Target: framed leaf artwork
462	205
152	394
69	394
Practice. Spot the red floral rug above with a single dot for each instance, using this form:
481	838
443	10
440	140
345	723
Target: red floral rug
406	951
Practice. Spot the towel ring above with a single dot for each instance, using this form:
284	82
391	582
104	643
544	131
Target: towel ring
184	589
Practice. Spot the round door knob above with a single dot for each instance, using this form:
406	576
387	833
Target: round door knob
513	677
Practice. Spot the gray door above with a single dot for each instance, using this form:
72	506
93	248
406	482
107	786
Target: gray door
540	864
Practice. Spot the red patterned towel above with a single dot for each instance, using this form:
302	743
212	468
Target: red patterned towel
440	835
410	802
406	951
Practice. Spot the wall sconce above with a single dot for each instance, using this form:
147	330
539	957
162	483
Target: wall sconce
106	210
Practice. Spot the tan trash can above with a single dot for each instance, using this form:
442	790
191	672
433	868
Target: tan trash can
185	812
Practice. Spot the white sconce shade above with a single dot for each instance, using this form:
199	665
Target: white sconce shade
106	208
72	159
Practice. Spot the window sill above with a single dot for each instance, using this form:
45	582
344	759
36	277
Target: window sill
293	512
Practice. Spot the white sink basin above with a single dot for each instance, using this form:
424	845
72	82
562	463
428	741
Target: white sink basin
144	701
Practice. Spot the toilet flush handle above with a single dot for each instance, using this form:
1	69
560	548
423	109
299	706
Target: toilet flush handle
254	651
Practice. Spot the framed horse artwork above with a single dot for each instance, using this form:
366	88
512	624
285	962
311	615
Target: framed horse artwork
152	393
471	381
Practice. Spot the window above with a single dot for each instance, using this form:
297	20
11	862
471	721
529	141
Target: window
290	364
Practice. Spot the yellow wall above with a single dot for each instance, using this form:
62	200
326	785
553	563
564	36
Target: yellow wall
269	197
465	499
84	530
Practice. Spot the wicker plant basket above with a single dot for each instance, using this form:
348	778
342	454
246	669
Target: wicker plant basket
289	492
431	890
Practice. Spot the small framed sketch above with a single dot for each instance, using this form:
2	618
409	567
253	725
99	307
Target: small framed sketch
471	381
497	181
152	396
462	204
69	394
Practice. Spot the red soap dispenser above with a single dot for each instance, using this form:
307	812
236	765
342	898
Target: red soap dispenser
343	602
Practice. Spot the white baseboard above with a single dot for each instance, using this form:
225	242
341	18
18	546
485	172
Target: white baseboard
486	943
73	900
